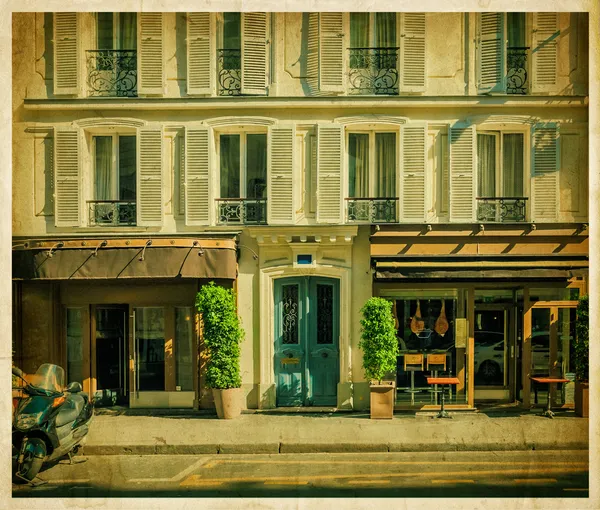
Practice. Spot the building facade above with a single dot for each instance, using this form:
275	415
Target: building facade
311	161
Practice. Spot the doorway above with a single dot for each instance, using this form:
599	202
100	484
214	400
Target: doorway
306	341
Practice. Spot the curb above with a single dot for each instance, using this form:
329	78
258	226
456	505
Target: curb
272	448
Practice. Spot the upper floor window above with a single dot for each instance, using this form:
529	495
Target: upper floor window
114	181
500	176
242	178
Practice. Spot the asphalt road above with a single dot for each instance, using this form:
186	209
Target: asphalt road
532	474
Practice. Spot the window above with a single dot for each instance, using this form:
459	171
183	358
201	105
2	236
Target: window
500	176
373	30
117	30
114	180
230	55
243	177
184	349
372	176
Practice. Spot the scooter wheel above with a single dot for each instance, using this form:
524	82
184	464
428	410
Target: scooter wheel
32	463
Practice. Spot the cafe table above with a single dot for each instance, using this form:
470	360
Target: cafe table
549	381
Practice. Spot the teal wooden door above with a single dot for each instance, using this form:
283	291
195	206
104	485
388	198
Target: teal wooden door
306	341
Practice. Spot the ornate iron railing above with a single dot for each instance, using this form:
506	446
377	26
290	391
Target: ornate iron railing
113	213
112	73
501	209
516	70
230	72
372	210
245	211
373	71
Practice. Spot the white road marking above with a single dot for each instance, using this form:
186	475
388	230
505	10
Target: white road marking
179	476
452	481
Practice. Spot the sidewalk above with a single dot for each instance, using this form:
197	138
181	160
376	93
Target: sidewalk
188	432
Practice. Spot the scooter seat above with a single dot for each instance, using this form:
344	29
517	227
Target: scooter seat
70	410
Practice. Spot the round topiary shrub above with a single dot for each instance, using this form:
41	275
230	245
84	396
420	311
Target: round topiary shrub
582	341
222	335
378	338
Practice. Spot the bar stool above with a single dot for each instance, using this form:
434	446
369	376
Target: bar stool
413	363
435	363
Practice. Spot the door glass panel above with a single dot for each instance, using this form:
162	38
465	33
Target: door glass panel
359	30
127	167
289	314
486	165
127	30
230	166
324	314
540	341
150	347
105	30
385	165
231	30
103	182
110	355
512	165
74	345
490	348
358	161
184	348
256	166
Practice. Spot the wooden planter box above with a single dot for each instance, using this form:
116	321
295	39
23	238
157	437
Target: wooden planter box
582	399
382	400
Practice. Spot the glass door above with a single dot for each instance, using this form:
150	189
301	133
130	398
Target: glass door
110	355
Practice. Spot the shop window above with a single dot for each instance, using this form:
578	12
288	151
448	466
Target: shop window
184	348
243	178
372	172
150	349
75	345
554	294
500	177
114	181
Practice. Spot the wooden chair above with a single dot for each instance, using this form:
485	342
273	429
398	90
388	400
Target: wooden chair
413	363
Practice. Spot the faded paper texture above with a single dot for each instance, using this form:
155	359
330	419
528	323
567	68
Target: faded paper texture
6	186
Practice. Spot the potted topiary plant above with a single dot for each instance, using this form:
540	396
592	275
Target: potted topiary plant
582	358
380	350
222	335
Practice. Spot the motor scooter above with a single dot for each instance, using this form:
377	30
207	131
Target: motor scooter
49	422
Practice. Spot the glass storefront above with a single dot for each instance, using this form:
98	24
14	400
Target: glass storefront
184	351
75	345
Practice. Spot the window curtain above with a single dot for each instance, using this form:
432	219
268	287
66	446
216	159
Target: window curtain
103	184
358	156
232	27
516	29
359	30
385	30
127	168
512	165
385	165
486	165
256	166
104	30
230	166
128	30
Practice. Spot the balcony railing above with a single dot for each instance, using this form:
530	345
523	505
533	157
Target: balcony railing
230	72
112	213
501	209
112	73
242	211
372	210
373	71
516	70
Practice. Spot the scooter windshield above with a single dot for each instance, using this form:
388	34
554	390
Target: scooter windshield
48	377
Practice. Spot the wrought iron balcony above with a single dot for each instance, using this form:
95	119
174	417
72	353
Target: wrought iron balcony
242	211
516	70
229	72
373	71
112	213
501	209
372	210
112	73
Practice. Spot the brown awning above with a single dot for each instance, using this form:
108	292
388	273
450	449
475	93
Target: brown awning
404	273
120	259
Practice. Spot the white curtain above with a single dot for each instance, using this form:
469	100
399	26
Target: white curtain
103	185
358	155
512	165
256	166
230	166
486	165
128	30
385	165
359	30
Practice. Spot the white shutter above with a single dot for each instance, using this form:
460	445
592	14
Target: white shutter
66	60
312	59
200	53
331	52
151	64
413	161
544	52
67	178
462	173
149	176
254	53
280	205
545	172
412	52
329	173
491	52
197	176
